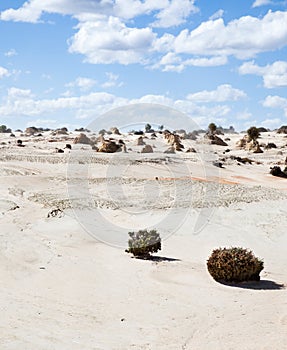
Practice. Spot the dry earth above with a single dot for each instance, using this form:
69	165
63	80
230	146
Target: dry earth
66	281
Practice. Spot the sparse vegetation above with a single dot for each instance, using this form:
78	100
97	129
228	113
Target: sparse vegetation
212	128
82	130
253	133
4	129
234	265
148	128
143	243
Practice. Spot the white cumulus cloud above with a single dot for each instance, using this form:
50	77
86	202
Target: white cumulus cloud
271	123
172	62
32	10
109	31
108	40
259	3
23	103
26	13
222	93
243	38
83	83
217	14
4	72
206	61
274	75
175	13
166	12
16	93
276	102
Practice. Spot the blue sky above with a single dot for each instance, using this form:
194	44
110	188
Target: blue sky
66	62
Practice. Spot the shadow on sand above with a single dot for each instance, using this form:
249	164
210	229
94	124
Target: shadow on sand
257	285
156	258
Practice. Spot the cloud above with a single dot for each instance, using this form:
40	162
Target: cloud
4	72
11	53
26	13
206	62
16	93
259	3
274	75
276	102
23	103
271	123
110	31
128	9
167	12
172	62
244	115
250	123
217	14
84	84
175	13
32	10
223	93
46	76
108	40
44	122
112	81
243	38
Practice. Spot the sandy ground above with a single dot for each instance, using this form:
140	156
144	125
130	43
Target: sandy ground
67	283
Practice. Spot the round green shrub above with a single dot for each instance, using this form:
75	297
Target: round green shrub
234	265
143	243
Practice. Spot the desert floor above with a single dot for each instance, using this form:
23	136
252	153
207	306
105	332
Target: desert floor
67	282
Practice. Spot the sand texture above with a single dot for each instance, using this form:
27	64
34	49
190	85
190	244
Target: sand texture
66	281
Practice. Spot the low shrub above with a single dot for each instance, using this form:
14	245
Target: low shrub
234	265
143	243
253	133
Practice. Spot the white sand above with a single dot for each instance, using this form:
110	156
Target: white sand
61	288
